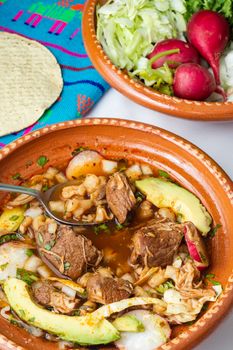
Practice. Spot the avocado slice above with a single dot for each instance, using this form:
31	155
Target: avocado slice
128	323
166	194
85	330
11	219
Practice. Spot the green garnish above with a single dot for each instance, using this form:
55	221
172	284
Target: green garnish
139	196
214	230
42	160
66	265
14	217
32	319
3	266
40	238
78	150
29	252
210	277
10	237
99	228
48	246
45	188
26	276
119	226
164	174
16	176
165	286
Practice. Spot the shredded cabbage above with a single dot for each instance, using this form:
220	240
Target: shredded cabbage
128	30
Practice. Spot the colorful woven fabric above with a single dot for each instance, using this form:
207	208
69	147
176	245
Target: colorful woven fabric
57	25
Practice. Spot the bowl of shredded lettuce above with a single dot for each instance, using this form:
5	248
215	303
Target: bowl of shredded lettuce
120	34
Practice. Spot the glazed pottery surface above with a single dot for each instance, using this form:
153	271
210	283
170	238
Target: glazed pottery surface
137	91
119	139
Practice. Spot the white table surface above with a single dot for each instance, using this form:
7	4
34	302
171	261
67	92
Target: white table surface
215	138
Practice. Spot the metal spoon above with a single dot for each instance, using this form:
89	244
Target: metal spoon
44	198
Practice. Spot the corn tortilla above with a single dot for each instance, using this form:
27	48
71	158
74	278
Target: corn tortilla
30	82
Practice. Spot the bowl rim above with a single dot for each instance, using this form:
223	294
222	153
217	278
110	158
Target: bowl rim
219	308
138	92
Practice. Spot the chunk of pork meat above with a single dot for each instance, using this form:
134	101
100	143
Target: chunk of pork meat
120	196
70	253
155	243
105	289
47	295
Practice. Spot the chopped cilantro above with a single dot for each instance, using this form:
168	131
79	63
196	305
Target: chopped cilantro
99	228
3	266
29	252
76	313
42	160
165	286
26	276
14	217
40	238
214	230
48	246
45	188
16	176
78	150
209	277
119	226
66	265
164	174
139	196
32	319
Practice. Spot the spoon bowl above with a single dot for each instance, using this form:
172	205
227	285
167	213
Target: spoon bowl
44	198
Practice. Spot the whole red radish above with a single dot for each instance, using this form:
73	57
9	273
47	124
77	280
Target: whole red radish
208	32
193	82
187	53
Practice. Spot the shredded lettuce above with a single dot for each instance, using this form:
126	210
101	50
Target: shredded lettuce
128	30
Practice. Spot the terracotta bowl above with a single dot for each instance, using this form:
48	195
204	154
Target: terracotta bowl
137	91
139	142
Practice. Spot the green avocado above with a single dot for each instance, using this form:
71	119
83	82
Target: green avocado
166	194
128	323
85	330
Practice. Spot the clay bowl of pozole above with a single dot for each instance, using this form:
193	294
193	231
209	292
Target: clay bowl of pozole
155	269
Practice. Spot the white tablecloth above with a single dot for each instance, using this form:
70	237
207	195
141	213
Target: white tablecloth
214	138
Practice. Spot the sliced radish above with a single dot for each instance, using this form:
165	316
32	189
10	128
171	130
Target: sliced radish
86	162
196	246
157	332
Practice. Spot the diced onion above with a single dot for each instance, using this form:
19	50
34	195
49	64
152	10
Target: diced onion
33	212
44	271
69	291
134	172
109	166
146	170
33	263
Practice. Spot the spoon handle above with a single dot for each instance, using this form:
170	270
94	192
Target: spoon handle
19	189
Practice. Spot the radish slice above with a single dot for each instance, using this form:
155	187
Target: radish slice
156	333
86	162
196	246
